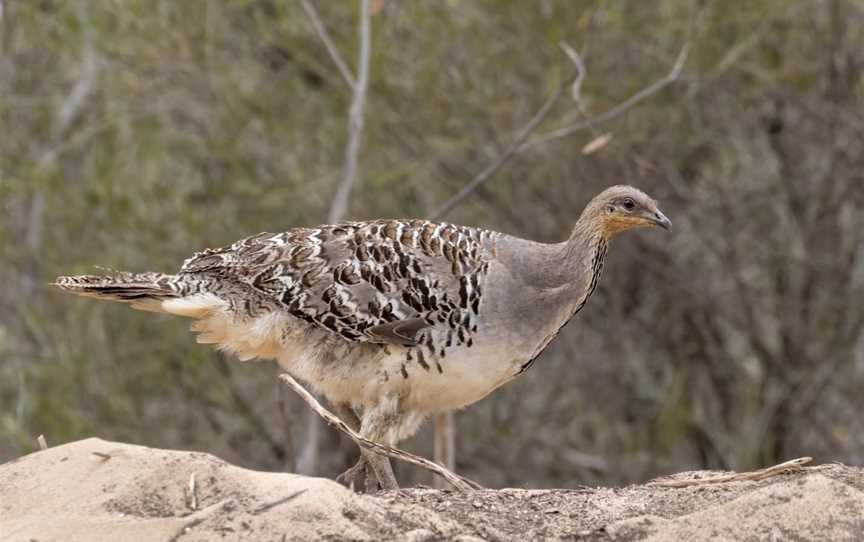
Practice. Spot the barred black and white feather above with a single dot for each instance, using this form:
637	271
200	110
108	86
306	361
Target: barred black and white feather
383	281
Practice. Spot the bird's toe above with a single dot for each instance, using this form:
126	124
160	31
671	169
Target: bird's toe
354	476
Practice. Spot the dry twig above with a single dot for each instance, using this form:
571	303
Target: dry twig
508	153
457	481
794	465
192	493
576	87
521	143
355	118
619	109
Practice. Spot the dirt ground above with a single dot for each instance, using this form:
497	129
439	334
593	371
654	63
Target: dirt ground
98	490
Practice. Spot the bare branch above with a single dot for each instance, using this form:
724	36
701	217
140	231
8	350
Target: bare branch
355	119
576	87
321	31
508	153
306	463
457	481
520	144
616	111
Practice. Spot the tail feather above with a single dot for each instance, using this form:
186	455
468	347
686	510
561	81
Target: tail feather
121	286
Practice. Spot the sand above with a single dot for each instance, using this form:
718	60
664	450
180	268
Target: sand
98	490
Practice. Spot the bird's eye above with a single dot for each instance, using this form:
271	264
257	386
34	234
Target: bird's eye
628	204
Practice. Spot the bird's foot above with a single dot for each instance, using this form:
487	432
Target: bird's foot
354	476
375	473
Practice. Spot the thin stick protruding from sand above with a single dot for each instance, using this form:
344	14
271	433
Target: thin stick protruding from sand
192	493
459	482
793	465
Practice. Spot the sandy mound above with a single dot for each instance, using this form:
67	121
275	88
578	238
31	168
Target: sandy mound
98	490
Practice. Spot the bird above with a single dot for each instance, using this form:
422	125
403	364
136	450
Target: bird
390	320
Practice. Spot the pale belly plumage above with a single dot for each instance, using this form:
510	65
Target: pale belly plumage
466	375
356	373
393	388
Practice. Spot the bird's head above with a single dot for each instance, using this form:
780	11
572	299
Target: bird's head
620	208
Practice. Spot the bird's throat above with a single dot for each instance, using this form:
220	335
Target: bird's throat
584	254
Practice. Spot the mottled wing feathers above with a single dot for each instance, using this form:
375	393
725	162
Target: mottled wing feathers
404	332
383	281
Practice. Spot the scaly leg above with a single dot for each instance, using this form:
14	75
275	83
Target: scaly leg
381	423
380	474
361	471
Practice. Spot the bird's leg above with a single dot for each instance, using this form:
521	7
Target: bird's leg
361	471
379	475
379	424
375	471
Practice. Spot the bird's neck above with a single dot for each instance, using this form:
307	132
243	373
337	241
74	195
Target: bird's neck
559	276
572	263
587	235
570	273
580	260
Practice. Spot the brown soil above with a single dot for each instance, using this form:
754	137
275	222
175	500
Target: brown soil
98	490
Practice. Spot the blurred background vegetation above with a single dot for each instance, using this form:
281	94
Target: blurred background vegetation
135	132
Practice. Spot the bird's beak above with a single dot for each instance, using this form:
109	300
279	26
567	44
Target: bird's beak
659	219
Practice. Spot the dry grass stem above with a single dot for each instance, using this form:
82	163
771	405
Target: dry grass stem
455	480
199	516
794	465
277	502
